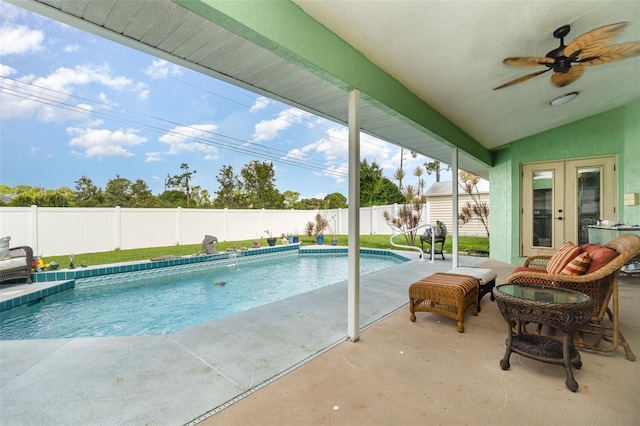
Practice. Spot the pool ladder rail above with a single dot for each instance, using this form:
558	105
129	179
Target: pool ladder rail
398	232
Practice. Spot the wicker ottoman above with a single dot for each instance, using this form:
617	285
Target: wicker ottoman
445	294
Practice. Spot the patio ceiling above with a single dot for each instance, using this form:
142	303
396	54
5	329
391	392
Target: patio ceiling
448	54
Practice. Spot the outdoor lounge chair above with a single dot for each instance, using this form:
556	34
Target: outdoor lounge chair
601	285
17	265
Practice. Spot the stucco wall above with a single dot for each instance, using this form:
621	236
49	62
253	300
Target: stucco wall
615	132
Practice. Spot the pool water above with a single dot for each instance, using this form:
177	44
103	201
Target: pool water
166	300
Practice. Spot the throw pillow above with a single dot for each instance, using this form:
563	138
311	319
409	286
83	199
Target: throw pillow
600	256
563	256
5	252
578	266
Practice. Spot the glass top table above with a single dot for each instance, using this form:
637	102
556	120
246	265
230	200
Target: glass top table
544	294
562	309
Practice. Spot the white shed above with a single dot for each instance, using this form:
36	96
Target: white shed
439	206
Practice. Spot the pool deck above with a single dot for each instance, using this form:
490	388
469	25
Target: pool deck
288	363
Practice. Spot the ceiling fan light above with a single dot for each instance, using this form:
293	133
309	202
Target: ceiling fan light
561	100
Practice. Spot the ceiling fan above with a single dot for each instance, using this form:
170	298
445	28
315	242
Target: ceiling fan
567	61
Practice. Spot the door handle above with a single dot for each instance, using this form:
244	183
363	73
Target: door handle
559	218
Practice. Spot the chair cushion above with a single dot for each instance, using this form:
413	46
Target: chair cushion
13	263
578	266
600	256
563	256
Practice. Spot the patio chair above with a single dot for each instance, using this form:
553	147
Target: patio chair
600	282
16	264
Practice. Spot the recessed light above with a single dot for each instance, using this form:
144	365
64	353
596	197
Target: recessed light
561	100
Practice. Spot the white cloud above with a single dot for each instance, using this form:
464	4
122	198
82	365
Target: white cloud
105	143
63	77
142	89
339	173
333	152
191	139
267	130
70	48
19	39
107	103
160	69
56	88
153	156
260	104
6	70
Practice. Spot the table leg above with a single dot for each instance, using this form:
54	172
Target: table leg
566	357
504	362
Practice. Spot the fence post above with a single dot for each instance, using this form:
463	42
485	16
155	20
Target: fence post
225	237
33	235
178	225
372	220
117	228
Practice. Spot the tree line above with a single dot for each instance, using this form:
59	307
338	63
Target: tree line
254	187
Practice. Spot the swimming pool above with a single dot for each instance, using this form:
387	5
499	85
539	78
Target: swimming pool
165	300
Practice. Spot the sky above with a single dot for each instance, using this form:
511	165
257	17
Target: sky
73	104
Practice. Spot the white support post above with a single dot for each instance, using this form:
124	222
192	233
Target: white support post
353	292
454	208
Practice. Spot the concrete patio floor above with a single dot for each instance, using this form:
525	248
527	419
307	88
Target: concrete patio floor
288	363
425	373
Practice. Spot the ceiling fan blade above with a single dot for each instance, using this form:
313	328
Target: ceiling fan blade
521	79
617	52
528	61
589	44
562	79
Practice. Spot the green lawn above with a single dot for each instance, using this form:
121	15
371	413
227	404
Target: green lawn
466	244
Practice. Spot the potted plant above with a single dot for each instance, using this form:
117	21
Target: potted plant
271	240
256	243
296	237
316	228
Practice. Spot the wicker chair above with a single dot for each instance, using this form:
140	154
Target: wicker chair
600	285
18	265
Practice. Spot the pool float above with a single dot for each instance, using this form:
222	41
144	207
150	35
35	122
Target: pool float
221	283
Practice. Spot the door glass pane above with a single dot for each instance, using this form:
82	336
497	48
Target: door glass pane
542	208
589	183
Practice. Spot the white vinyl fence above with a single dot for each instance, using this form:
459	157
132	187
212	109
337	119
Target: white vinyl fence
52	231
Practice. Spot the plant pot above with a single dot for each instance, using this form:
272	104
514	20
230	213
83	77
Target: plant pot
320	240
296	240
290	239
334	242
271	241
255	244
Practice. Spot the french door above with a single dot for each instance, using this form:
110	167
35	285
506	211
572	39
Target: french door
561	199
